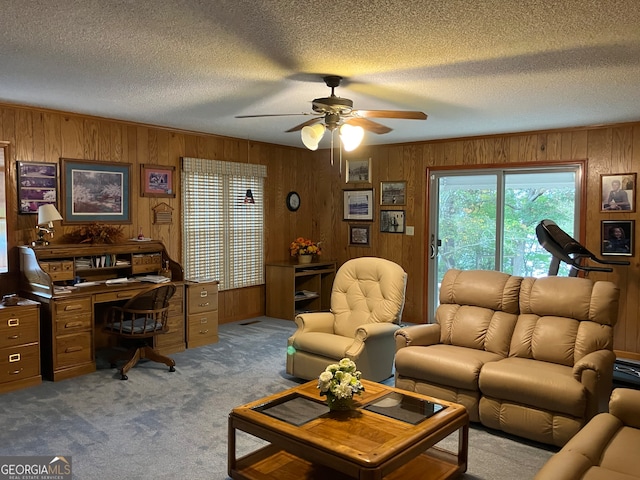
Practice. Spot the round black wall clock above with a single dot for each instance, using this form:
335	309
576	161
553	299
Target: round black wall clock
293	201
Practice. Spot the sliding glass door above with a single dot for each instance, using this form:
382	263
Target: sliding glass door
486	219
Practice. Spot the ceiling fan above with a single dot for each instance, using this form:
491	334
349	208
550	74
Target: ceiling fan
338	112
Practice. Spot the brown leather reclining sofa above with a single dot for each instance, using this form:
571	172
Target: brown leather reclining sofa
606	448
529	356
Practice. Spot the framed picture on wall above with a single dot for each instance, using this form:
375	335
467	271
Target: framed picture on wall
156	181
618	237
360	235
618	192
37	185
95	191
393	193
359	171
392	221
358	204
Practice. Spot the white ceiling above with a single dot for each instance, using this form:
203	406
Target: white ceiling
475	67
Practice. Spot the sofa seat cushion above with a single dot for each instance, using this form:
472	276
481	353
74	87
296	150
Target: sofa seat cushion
542	385
325	344
448	365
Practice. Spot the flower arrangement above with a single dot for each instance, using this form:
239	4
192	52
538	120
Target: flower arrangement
95	233
340	382
303	246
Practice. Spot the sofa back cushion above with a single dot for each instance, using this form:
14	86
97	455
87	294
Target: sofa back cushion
367	290
562	319
478	309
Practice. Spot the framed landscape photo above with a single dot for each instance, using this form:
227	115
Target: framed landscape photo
393	193
358	204
359	171
618	192
360	235
37	185
392	221
618	237
156	181
95	191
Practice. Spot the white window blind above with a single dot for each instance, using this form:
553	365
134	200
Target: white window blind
223	235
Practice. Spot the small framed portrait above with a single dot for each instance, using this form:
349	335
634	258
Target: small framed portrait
360	235
157	181
37	185
392	221
358	204
359	171
618	192
393	193
618	237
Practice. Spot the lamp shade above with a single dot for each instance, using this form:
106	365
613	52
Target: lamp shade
351	136
311	135
48	214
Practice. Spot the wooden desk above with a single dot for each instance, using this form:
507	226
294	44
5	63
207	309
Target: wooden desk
70	322
359	444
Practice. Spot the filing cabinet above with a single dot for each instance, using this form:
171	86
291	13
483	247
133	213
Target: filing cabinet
202	313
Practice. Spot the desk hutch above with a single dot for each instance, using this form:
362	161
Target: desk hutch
71	320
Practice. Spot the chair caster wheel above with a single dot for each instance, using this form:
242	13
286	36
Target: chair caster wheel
124	377
172	368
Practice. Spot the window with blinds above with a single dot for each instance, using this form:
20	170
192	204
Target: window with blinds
223	222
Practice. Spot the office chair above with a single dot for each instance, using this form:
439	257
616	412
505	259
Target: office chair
138	321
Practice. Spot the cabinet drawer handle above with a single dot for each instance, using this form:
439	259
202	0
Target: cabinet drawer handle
68	308
203	304
13	337
204	294
204	320
13	322
72	349
124	295
14	357
16	372
204	332
72	324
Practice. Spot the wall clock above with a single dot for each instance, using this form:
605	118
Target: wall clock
293	201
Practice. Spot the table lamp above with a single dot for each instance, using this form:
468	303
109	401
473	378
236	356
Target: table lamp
47	214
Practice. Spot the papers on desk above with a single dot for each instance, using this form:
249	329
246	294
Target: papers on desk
116	281
153	279
57	289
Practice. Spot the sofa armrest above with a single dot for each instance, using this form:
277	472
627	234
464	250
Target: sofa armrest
370	333
427	334
598	361
315	322
625	405
595	372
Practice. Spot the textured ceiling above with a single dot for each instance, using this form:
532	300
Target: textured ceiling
475	67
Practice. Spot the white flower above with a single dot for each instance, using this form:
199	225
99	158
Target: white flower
341	380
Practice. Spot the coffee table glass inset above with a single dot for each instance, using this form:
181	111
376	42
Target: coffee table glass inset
391	434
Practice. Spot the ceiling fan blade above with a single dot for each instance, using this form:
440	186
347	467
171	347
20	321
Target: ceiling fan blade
403	114
304	124
369	125
272	115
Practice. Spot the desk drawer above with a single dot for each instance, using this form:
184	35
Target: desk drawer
58	270
73	306
72	350
21	362
18	327
71	323
119	295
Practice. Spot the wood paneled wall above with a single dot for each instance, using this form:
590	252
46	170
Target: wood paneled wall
43	135
608	149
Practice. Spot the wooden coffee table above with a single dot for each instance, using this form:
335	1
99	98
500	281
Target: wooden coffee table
389	435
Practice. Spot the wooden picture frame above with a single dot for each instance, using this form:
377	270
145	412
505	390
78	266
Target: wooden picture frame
392	221
94	191
393	193
360	235
157	181
618	237
37	185
618	193
358	204
358	171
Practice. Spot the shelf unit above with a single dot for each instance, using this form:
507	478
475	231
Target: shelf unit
285	280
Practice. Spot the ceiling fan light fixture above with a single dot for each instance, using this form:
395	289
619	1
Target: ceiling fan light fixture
351	136
311	135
